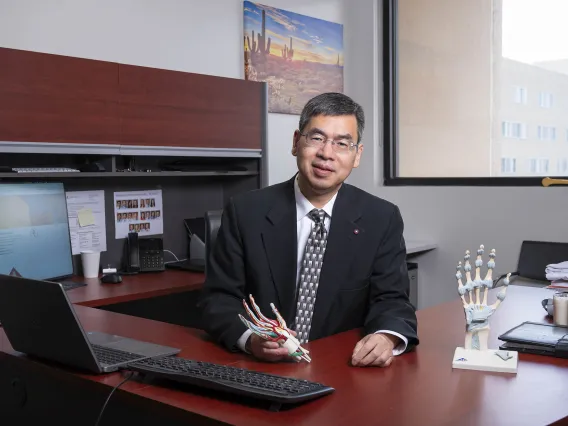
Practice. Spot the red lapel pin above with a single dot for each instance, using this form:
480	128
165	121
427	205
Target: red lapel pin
356	231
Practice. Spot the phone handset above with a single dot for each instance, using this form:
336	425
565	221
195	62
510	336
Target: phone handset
132	254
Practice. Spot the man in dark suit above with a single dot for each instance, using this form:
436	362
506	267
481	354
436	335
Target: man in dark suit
330	256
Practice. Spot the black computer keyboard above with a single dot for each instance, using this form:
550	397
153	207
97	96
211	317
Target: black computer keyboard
276	389
112	356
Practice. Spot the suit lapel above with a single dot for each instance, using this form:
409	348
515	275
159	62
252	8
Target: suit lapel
279	237
341	243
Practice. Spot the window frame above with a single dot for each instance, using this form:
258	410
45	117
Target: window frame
522	91
390	120
510	124
548	96
564	161
513	164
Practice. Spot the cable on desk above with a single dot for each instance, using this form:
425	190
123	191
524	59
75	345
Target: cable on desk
110	394
172	253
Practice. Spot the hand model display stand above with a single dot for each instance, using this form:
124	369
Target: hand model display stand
475	355
274	331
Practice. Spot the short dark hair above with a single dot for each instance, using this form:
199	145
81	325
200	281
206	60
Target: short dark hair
333	104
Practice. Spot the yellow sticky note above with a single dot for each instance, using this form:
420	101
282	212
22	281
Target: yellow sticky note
86	217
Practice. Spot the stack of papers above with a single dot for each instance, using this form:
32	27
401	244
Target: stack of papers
558	271
558	284
558	275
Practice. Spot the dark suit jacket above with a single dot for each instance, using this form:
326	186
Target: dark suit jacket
363	282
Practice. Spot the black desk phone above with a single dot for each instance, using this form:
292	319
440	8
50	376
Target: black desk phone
143	254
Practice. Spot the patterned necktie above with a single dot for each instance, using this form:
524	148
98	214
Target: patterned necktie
309	275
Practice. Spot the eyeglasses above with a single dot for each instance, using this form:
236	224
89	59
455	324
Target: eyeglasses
317	140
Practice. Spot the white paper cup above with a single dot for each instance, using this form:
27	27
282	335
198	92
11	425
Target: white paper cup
91	261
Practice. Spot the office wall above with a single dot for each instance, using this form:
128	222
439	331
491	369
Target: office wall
186	35
456	218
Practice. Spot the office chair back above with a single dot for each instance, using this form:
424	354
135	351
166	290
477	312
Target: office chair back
535	255
212	224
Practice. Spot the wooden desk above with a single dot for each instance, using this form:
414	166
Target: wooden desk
135	287
418	388
154	284
419	246
170	296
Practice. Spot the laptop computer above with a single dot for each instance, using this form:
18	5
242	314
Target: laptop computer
536	255
39	320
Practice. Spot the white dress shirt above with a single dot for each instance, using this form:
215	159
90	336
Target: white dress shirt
304	227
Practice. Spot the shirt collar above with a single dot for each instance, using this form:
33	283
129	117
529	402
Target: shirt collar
303	206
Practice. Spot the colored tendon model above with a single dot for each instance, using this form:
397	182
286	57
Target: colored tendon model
273	330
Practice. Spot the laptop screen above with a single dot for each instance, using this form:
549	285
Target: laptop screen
536	255
34	231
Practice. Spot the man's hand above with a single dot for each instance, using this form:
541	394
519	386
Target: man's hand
374	350
266	350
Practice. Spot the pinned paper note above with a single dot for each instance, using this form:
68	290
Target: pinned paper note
87	224
86	217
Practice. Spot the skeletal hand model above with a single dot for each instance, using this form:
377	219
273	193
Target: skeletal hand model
274	331
477	312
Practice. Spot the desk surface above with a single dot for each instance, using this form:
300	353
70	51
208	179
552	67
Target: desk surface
418	388
135	287
418	246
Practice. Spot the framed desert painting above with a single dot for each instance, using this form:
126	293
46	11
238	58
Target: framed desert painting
298	56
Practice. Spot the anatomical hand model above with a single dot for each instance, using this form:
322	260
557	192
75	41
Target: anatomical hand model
477	311
273	330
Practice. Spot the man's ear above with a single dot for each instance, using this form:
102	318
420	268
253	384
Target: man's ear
358	156
295	141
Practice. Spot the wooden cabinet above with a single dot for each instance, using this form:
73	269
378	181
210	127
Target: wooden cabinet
171	108
49	98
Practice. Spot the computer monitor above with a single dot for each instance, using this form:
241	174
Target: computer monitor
34	231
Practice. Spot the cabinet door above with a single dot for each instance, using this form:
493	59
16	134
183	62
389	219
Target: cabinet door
53	98
171	108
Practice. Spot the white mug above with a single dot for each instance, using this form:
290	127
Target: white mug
560	302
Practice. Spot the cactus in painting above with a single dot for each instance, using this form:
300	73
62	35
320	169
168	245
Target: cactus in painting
251	48
260	46
291	52
263	47
257	49
288	53
247	52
